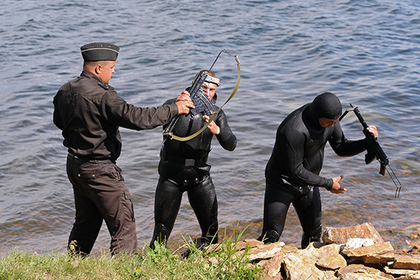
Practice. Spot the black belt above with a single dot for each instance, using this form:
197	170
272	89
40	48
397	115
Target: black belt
82	159
186	161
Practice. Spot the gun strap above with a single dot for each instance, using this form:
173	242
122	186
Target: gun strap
186	138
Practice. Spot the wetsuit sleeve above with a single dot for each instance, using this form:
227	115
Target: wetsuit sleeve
120	113
226	137
344	147
296	165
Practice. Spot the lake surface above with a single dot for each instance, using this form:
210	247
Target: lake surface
366	52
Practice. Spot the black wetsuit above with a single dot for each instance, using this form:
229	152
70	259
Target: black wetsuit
183	167
292	173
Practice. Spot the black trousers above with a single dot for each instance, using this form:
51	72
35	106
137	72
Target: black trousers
307	203
100	195
202	198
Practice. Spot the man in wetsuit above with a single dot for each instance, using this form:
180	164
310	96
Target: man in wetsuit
292	173
89	112
183	167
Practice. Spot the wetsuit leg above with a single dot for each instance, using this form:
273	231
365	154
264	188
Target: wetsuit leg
276	205
167	202
308	209
203	200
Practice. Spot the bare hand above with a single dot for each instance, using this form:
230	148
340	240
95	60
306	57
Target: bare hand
184	107
372	129
336	188
212	126
184	96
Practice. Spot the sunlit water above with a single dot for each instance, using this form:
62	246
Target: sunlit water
366	52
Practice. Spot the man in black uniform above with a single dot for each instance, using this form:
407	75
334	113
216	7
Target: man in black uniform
183	167
89	112
292	173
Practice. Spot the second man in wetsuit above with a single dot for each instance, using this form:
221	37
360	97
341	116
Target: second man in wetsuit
292	173
183	167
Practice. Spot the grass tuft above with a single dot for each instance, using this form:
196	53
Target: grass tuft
216	262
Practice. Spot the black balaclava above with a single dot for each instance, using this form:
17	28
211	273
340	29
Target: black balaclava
325	105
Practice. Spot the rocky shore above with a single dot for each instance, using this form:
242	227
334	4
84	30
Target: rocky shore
356	252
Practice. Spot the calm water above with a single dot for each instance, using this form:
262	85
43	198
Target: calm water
367	52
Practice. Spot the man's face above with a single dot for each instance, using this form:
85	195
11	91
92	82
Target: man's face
106	69
209	89
324	122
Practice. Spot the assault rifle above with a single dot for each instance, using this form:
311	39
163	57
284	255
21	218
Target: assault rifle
194	90
200	100
374	150
202	104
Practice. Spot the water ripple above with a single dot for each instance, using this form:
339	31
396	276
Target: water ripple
364	51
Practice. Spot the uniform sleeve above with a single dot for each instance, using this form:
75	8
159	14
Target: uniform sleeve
226	137
344	147
120	113
56	114
64	103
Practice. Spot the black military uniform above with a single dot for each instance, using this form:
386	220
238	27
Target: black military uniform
89	113
183	167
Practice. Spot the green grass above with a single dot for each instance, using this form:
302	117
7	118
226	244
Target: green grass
161	263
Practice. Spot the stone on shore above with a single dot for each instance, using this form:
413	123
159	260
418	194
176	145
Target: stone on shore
265	251
373	254
356	252
359	268
406	262
303	264
344	234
